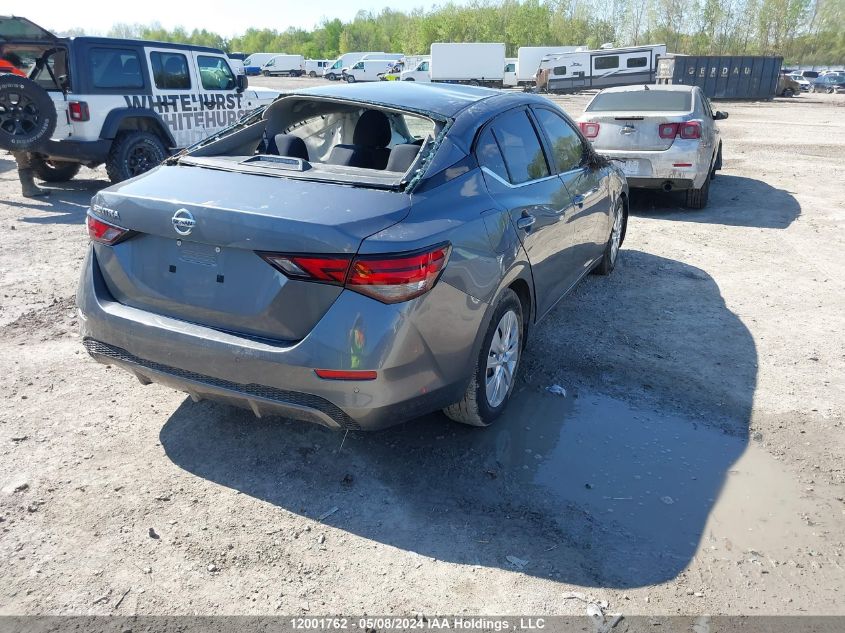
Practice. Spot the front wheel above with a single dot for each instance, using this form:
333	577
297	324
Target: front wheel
614	242
312	74
133	153
53	170
494	374
789	92
350	79
331	77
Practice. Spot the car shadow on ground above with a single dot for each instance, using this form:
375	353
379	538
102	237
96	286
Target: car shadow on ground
588	489
67	203
734	201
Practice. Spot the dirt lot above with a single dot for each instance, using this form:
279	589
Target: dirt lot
695	465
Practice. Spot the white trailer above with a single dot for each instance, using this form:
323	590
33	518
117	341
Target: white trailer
600	68
478	63
528	60
284	65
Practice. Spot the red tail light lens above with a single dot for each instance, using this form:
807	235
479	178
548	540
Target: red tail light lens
387	278
690	129
590	130
395	278
78	111
668	130
330	269
103	232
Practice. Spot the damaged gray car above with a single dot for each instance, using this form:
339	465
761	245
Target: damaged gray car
353	256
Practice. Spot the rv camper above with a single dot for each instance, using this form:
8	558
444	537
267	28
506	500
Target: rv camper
601	68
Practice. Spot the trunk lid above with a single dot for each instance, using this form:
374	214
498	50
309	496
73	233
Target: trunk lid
17	29
633	131
208	272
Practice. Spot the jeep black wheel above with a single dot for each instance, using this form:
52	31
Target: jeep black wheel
53	170
133	153
27	114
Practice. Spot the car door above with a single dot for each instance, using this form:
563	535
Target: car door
218	102
588	216
173	84
517	173
709	129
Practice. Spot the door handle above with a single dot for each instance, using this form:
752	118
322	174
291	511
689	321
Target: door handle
525	222
578	200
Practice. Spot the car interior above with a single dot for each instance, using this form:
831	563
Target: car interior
328	133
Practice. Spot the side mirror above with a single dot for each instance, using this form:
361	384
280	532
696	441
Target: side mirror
242	83
719	116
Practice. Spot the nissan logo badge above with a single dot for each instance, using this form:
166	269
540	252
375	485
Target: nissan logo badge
183	222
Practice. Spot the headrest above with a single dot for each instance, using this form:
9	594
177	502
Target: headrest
401	157
290	145
372	129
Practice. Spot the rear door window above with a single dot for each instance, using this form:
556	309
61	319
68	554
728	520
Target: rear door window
567	148
488	154
170	71
113	68
607	62
520	146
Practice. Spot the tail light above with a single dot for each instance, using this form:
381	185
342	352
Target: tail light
590	130
690	129
387	278
103	232
78	111
668	130
687	130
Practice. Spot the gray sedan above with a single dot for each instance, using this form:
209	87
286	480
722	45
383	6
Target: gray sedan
353	256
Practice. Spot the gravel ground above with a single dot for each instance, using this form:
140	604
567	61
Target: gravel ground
694	466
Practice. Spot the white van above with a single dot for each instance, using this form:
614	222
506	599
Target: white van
335	69
420	72
510	79
368	70
284	65
254	62
315	67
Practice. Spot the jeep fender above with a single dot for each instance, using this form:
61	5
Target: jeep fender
152	123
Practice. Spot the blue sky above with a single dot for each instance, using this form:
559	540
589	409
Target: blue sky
227	18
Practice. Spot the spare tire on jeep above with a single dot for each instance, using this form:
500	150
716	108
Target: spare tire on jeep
27	114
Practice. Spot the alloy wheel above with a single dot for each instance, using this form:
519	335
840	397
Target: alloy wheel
18	114
616	234
502	358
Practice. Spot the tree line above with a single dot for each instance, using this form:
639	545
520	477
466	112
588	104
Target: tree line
802	31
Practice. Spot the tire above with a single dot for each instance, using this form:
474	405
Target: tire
53	170
331	77
830	91
312	74
614	241
506	326
474	82
132	153
350	79
789	92
717	164
27	114
410	79
697	198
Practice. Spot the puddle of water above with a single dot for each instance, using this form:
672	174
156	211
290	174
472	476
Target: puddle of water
643	470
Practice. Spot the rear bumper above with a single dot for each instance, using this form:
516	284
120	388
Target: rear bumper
88	152
423	351
681	165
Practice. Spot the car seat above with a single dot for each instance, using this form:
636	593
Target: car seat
402	157
288	145
369	143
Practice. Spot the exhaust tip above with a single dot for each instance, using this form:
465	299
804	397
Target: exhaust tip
667	186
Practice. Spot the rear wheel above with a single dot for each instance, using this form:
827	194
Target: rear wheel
133	153
495	371
53	170
312	74
614	242
697	198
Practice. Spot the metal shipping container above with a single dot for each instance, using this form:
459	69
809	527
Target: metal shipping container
723	77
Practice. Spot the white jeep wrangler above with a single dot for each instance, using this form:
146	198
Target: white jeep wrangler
126	103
